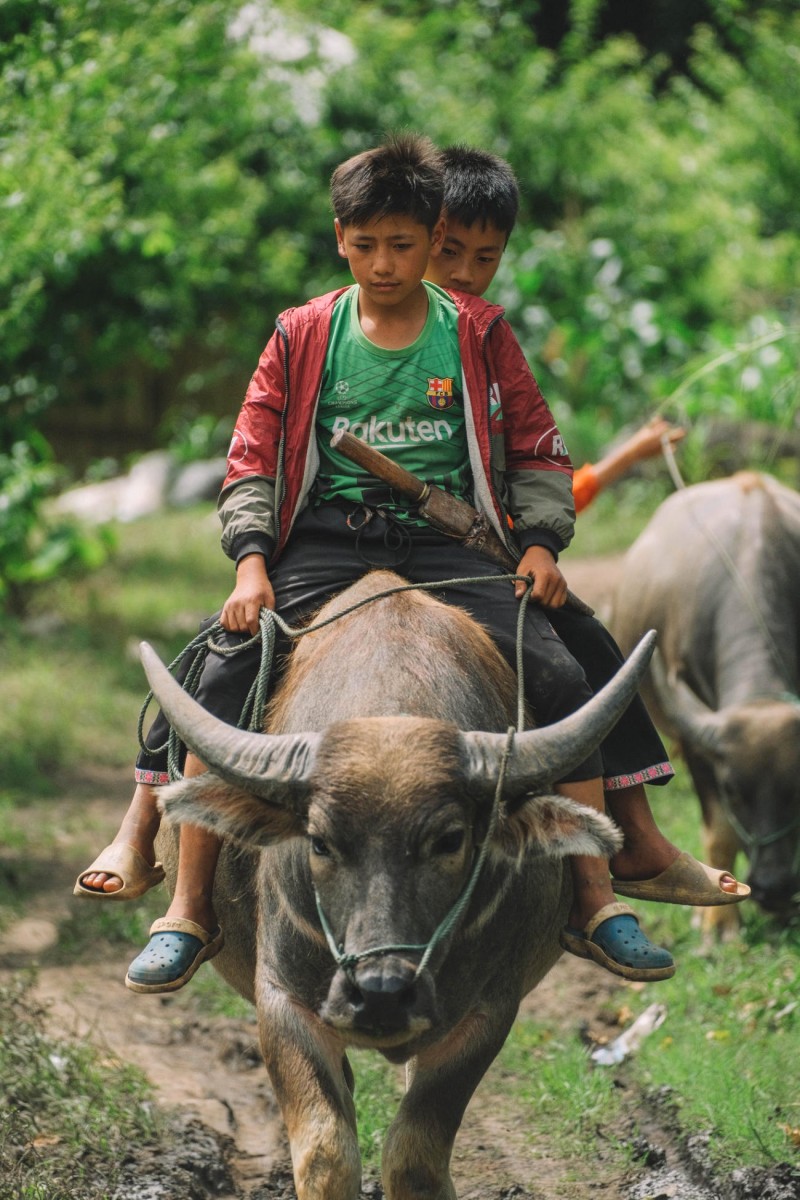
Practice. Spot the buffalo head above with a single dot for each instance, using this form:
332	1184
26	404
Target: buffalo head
752	750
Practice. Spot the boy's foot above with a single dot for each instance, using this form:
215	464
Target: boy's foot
119	872
685	881
614	939
176	949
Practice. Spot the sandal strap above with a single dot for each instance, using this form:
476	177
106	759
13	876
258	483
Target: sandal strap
615	909
181	925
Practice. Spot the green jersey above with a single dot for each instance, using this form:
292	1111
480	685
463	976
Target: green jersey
406	403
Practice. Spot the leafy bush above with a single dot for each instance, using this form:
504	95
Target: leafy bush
175	150
192	437
36	547
658	228
192	142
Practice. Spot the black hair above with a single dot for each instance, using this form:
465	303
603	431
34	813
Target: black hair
479	186
403	177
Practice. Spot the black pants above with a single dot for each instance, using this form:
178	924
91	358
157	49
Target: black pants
566	656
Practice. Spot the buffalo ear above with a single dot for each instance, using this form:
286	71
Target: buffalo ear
231	812
555	826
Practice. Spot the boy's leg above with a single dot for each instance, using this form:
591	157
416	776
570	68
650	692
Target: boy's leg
632	754
137	831
111	873
631	750
555	685
188	935
646	852
645	847
198	853
599	927
590	879
304	579
309	573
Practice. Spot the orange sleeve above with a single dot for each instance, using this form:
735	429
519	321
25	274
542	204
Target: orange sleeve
585	486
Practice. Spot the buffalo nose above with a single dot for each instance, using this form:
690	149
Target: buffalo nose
775	896
385	992
382	996
385	982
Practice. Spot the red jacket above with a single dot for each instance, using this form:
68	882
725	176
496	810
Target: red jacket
519	462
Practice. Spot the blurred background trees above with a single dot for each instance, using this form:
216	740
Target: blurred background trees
163	194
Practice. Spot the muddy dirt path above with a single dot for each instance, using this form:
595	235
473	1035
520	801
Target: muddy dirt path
209	1067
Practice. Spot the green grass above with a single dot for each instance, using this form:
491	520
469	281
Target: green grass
91	926
378	1092
73	684
731	1041
728	1048
69	1112
213	997
562	1101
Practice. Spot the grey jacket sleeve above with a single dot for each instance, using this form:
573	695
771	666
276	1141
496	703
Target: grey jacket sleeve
542	508
247	512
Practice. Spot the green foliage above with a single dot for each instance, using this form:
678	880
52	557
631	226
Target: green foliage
149	166
657	226
561	1095
192	438
164	174
35	545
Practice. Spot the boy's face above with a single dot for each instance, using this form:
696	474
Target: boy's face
469	257
388	256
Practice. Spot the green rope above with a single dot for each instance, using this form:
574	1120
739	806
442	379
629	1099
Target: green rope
173	744
252	718
348	961
252	714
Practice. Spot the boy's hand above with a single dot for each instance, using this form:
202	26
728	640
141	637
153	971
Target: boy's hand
253	591
648	441
549	585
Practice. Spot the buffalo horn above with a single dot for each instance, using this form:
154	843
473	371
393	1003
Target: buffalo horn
699	725
543	755
273	766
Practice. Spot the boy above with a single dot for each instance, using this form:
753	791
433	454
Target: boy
357	349
481	202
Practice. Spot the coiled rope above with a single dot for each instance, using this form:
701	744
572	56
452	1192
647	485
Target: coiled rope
252	718
252	714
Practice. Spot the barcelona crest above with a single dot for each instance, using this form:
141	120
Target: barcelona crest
440	393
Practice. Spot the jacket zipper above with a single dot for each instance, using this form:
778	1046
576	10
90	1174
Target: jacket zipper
280	474
484	348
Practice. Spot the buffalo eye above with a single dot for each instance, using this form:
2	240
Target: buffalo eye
319	847
449	843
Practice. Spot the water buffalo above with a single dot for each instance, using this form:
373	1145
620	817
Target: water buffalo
717	574
370	826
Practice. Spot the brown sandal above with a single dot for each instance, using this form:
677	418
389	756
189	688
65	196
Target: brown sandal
124	861
686	881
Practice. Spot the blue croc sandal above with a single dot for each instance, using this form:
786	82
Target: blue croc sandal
614	939
169	960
